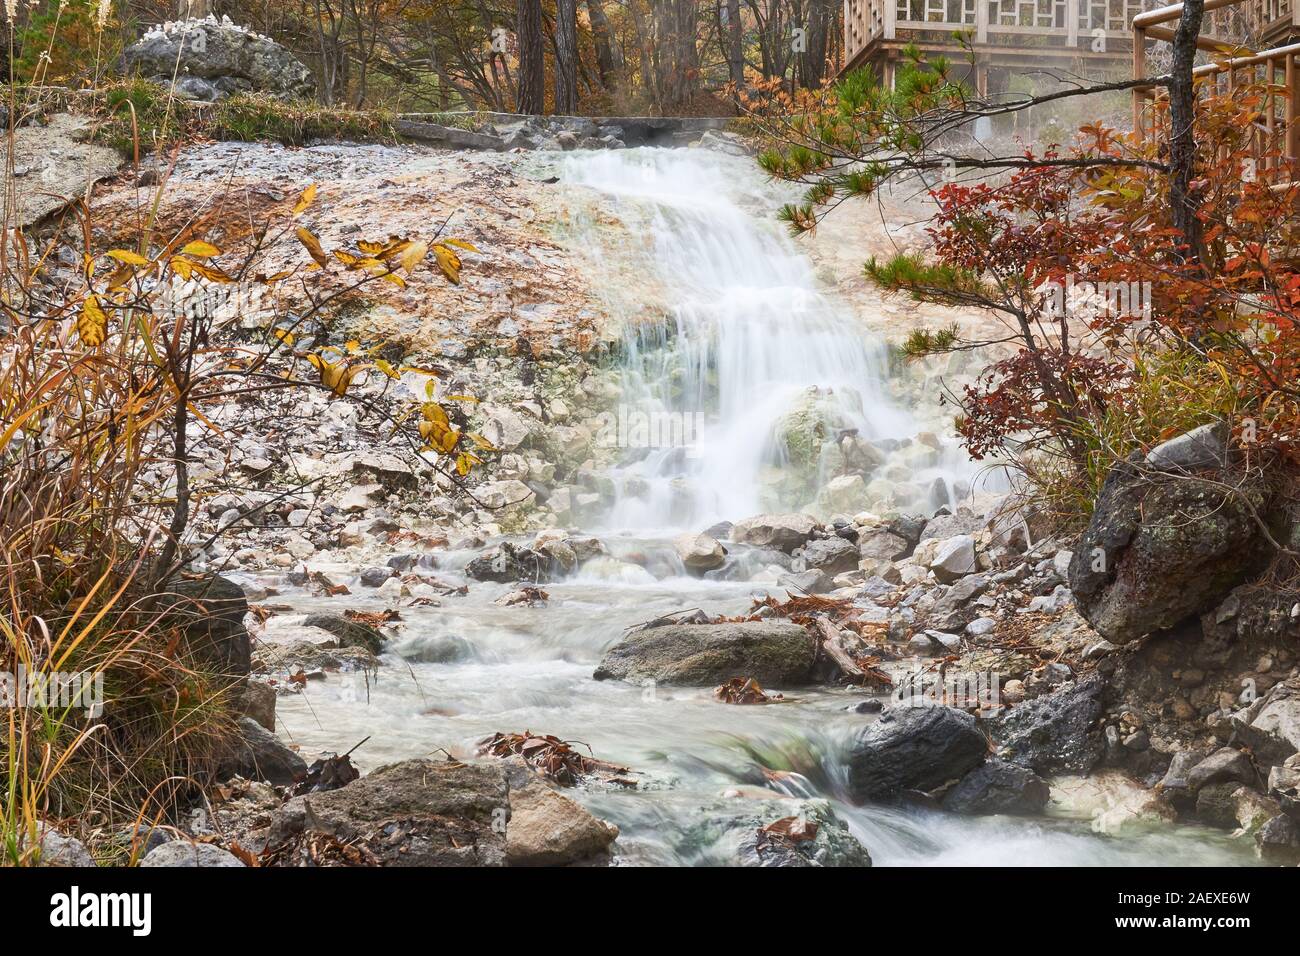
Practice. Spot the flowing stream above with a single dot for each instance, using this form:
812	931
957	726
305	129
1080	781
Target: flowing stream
748	334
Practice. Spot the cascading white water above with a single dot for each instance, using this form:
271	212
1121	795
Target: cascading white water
750	333
751	337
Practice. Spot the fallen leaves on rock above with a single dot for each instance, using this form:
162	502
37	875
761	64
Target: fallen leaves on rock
328	773
788	832
554	758
530	595
374	619
744	690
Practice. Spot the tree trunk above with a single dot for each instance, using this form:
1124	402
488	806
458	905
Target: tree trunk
677	64
566	57
609	60
532	66
812	62
193	9
735	50
1182	133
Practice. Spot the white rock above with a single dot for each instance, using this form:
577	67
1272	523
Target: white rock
954	558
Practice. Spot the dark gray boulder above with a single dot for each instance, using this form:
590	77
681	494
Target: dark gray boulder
349	633
414	813
831	555
1163	546
506	564
772	653
1056	733
259	754
998	787
913	748
210	613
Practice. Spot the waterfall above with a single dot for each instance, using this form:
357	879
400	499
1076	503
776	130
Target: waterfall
747	398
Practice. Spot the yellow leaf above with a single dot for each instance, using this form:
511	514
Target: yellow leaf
461	244
347	258
201	250
465	462
182	267
387	368
130	258
211	273
313	246
448	262
92	326
413	255
305	200
284	335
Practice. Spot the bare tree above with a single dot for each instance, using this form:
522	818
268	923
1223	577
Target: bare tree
609	58
532	66
566	57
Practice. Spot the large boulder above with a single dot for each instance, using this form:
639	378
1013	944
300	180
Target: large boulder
548	829
783	532
213	59
349	633
414	813
699	552
748	831
508	563
1162	546
258	754
998	787
700	655
1270	726
209	611
832	555
913	748
1056	733
182	853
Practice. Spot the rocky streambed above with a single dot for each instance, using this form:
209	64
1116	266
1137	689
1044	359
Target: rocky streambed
809	635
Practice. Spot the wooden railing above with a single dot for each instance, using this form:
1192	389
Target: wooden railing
1277	132
1052	24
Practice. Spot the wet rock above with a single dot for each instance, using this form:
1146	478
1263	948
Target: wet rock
548	829
729	835
258	702
1278	841
61	166
375	577
913	749
504	495
812	581
998	787
348	633
953	559
699	552
832	555
1216	807
259	755
504	427
1222	766
1054	734
229	57
1160	548
414	813
884	544
185	853
776	654
59	850
944	526
783	532
292	656
508	563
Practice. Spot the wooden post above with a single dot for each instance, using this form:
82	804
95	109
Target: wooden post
891	21
981	21
1139	71
1293	91
1072	23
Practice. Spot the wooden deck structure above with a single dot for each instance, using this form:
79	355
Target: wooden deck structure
1271	27
1091	38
